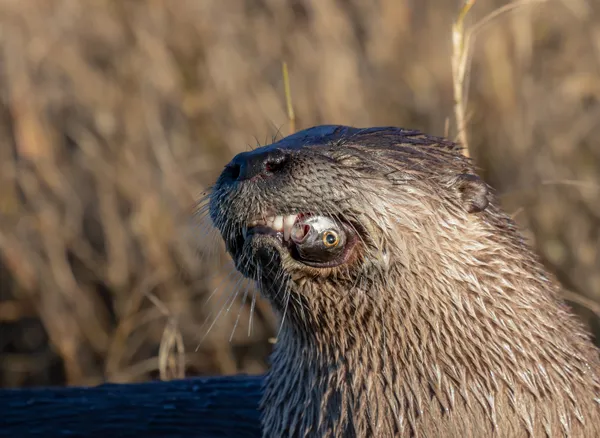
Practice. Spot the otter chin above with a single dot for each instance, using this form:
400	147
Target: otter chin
409	303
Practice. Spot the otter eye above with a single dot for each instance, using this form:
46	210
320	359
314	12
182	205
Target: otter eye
330	239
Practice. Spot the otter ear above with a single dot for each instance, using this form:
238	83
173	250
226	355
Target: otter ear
473	192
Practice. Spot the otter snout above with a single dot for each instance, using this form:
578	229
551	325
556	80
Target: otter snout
256	164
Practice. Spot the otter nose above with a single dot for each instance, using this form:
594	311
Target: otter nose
248	165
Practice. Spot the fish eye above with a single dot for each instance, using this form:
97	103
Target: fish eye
330	239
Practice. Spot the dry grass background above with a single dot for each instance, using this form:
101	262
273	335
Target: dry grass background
116	115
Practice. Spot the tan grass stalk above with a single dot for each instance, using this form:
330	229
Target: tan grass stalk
288	98
171	351
461	56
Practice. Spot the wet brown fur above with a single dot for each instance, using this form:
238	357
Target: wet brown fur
443	324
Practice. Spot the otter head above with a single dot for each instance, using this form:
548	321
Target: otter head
319	216
407	299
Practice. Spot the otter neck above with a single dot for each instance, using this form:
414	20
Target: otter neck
432	348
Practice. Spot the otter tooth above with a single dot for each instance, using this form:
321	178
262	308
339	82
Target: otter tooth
288	223
278	223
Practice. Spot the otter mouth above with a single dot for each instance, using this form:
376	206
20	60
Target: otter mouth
313	240
277	226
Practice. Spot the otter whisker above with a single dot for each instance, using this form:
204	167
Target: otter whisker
206	227
202	206
229	299
221	307
202	210
251	283
300	307
257	142
209	242
213	246
278	280
253	304
252	307
246	265
227	228
287	294
237	291
205	197
232	272
277	133
246	290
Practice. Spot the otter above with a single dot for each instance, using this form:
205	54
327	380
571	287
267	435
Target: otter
409	304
